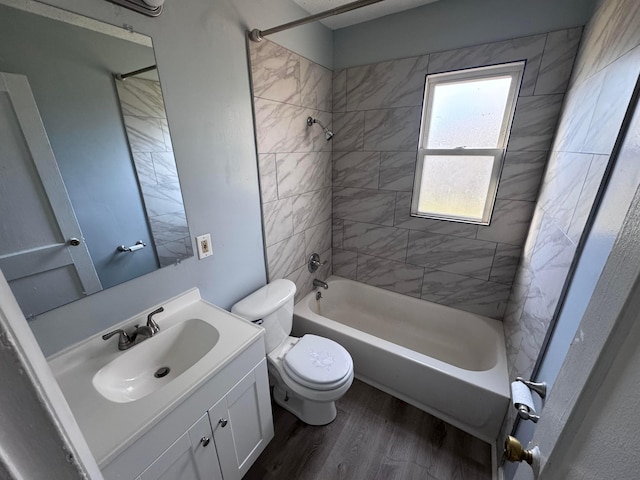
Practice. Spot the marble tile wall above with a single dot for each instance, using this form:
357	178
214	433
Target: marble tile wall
147	129
376	118
294	161
601	85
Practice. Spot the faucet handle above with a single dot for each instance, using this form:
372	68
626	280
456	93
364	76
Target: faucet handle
124	341
151	323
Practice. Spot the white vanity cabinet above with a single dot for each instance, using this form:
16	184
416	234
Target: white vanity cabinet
191	457
216	433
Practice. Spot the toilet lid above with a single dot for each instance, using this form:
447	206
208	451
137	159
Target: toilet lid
318	363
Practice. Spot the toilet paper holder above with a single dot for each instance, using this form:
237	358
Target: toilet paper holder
539	387
525	410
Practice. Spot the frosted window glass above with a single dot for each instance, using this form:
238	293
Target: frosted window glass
468	114
455	185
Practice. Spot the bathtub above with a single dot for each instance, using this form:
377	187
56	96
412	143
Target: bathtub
447	362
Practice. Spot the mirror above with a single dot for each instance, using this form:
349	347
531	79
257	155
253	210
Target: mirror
92	199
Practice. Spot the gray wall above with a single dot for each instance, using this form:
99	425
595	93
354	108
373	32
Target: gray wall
602	83
70	73
377	110
202	58
294	161
450	24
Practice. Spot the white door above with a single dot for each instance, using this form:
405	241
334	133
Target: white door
610	217
46	254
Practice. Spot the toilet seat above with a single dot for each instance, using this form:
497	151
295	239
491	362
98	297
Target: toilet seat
318	363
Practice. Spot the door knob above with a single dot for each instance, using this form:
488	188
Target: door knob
205	441
223	422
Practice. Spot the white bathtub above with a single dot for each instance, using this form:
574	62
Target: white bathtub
447	362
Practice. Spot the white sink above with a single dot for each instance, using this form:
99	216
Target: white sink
141	370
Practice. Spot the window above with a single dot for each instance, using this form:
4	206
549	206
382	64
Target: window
466	118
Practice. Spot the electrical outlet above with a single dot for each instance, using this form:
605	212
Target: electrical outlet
204	246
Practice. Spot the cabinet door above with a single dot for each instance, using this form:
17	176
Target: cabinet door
242	423
191	457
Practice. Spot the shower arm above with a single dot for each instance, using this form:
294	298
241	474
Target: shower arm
257	35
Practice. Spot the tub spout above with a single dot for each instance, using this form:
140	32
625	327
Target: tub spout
320	283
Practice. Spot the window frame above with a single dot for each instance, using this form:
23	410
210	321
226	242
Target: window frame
513	69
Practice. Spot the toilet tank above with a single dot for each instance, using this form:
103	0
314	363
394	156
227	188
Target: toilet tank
272	303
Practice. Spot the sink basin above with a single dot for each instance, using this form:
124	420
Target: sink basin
152	364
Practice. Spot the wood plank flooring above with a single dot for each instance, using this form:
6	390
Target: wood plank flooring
374	437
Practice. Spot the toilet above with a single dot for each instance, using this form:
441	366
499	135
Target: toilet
309	373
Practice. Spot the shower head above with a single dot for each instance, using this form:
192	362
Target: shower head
328	134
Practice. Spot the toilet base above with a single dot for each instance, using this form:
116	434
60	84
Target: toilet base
310	412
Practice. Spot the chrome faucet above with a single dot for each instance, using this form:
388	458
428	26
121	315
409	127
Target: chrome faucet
126	340
139	334
320	283
151	323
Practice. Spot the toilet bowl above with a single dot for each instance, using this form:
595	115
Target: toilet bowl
308	373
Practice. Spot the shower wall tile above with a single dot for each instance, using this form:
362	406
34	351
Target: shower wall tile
529	48
376	240
587	196
144	134
464	256
164	125
268	177
361	205
315	85
618	85
164	164
505	263
534	122
318	239
144	168
169	227
573	126
465	293
160	201
337	229
311	208
285	257
356	169
565	176
349	131
551	259
611	33
510	222
339	91
557	61
521	175
395	276
283	128
304	279
397	170
394	129
278	220
141	98
302	172
403	219
275	72
295	161
396	83
169	252
345	263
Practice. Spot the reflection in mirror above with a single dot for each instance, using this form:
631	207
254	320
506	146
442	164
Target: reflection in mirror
98	176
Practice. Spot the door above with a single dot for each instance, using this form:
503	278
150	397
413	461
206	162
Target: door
46	253
191	457
242	424
611	213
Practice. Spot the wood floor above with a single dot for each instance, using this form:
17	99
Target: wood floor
374	437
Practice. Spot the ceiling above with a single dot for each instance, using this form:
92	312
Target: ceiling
360	15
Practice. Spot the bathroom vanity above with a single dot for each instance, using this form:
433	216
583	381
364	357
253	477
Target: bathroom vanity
208	417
